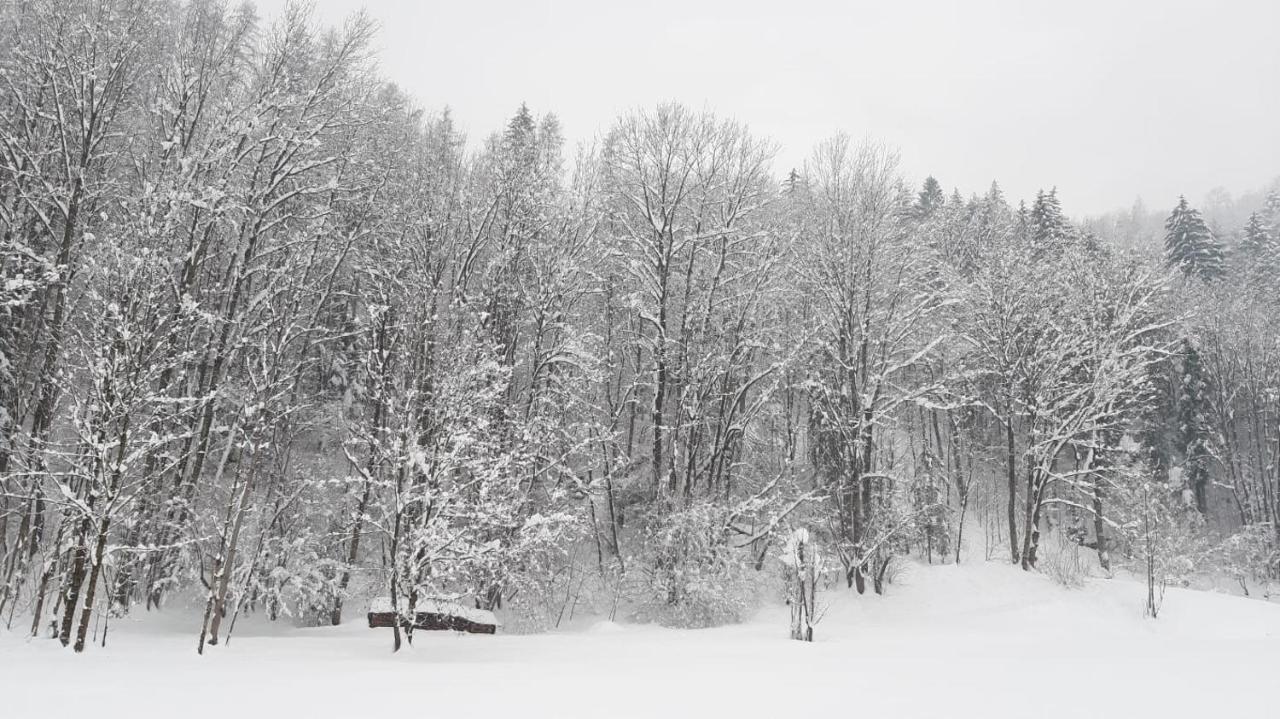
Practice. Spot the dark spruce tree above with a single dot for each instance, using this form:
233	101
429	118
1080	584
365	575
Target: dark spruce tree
1271	214
1190	246
931	198
794	181
1193	427
1256	239
1157	430
1050	231
1258	259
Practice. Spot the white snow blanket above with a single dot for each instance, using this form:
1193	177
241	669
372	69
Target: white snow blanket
983	640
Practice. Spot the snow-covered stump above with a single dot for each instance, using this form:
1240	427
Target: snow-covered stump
802	569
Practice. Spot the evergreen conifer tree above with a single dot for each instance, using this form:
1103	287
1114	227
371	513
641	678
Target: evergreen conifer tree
995	195
1193	428
1259	258
1050	230
1271	215
930	199
794	181
1190	246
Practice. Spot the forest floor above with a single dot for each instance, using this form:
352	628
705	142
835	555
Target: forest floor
982	640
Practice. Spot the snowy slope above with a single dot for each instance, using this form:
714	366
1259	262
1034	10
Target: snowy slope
977	640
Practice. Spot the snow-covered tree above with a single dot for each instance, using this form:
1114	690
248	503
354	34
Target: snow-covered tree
1190	246
275	340
875	307
1258	257
802	565
931	199
1049	229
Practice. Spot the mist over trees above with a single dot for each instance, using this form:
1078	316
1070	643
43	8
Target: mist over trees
274	340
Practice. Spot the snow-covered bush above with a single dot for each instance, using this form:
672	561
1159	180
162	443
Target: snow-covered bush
545	575
896	568
932	517
693	576
1163	537
1250	555
1060	560
802	567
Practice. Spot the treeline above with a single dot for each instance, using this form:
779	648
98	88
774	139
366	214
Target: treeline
270	335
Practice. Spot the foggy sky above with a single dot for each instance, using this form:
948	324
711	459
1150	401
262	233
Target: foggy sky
1108	101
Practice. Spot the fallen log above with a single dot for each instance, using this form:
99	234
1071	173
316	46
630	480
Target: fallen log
434	616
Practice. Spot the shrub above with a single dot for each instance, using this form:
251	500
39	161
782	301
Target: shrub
693	576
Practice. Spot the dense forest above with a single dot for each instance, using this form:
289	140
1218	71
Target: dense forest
276	340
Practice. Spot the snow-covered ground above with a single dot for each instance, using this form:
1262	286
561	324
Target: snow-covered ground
982	640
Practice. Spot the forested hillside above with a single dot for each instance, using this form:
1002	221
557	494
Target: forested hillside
276	338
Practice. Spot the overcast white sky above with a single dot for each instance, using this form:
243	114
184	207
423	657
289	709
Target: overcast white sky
1106	100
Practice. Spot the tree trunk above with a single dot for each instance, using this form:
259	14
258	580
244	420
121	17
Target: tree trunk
1099	527
216	607
1011	468
335	618
75	581
96	571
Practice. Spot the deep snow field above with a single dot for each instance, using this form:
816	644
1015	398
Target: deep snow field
981	640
